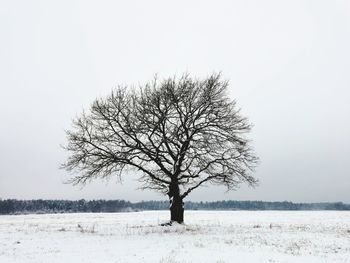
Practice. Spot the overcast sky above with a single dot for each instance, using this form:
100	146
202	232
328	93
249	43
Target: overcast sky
288	63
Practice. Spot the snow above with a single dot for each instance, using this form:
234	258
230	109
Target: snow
206	236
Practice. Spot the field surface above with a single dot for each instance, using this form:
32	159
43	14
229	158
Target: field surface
207	236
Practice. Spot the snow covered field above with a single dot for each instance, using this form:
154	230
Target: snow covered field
207	236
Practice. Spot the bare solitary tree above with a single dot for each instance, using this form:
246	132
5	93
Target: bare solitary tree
179	133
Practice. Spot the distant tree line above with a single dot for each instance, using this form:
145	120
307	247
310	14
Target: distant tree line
13	206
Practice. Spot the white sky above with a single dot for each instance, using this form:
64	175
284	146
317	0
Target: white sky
288	63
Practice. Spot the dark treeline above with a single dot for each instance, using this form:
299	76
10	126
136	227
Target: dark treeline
13	206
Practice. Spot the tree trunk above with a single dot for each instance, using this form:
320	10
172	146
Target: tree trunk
176	207
177	210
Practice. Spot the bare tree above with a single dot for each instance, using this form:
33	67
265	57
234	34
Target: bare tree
179	133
